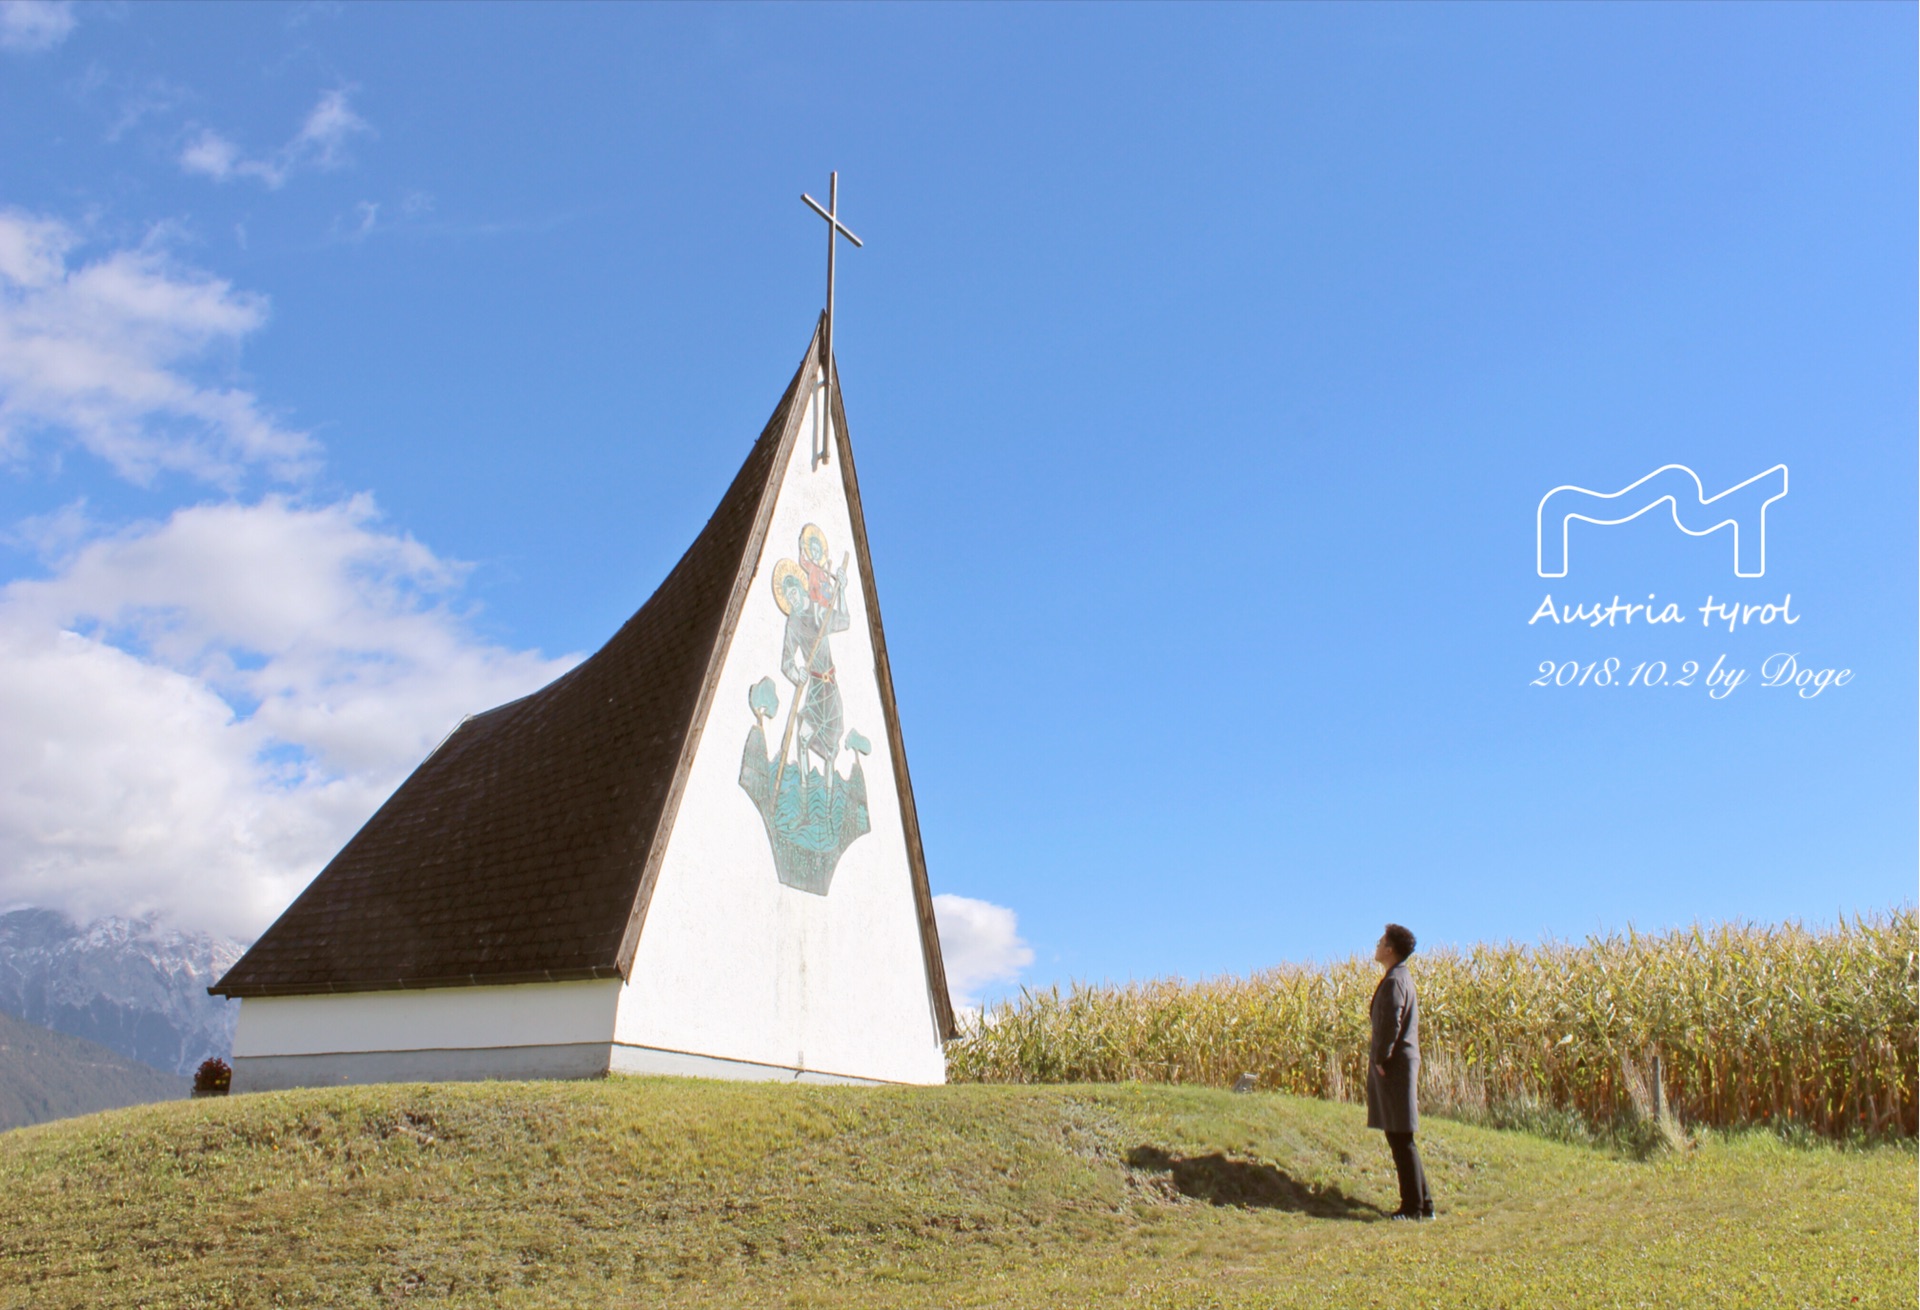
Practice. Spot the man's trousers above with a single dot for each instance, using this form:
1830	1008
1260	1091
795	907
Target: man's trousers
1414	1199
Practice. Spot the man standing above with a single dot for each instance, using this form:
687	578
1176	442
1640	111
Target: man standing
1393	1072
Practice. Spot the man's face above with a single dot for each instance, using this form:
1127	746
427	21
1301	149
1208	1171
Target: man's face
796	593
1384	953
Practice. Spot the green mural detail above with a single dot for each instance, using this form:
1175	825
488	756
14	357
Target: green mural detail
812	814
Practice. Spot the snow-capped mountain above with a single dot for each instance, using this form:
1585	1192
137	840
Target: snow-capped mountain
134	986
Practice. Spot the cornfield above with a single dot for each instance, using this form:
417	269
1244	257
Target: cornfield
1746	1025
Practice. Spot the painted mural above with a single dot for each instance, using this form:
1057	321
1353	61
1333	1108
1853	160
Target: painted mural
812	812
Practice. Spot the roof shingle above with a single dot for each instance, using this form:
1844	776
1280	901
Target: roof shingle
515	852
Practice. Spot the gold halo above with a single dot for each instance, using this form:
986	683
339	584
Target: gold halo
785	569
812	532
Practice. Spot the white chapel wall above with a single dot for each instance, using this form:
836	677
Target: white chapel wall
434	1018
734	964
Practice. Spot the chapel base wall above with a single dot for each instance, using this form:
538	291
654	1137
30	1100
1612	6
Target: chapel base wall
274	1073
649	1060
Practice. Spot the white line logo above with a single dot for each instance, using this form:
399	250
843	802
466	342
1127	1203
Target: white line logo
1694	513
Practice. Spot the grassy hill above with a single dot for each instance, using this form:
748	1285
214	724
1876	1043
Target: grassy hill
48	1075
645	1191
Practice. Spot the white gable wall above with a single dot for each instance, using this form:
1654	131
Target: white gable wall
735	965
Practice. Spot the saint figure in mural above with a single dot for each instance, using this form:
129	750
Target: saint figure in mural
813	562
816	608
812	815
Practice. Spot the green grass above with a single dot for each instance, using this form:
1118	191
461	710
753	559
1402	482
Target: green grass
646	1192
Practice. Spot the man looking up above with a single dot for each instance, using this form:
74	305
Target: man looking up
1393	1070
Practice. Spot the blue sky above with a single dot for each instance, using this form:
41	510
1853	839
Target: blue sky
1206	367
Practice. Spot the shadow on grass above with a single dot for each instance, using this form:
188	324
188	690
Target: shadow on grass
1219	1181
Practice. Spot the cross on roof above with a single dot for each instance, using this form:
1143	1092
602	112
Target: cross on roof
835	230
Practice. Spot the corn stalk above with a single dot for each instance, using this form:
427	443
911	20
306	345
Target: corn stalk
1752	1024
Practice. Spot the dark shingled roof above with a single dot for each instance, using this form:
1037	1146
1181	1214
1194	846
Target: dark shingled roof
524	849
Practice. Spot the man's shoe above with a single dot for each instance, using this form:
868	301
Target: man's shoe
1401	1216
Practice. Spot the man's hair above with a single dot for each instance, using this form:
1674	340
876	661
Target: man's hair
1401	939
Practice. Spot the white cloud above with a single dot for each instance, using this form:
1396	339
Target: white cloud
211	154
34	25
323	138
99	351
321	143
980	944
200	712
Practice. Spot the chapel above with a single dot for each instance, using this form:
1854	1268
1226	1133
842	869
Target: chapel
694	853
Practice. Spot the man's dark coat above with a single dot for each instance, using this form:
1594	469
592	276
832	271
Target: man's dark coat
1391	1101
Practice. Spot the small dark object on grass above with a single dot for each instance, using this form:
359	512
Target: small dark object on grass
212	1078
1246	1082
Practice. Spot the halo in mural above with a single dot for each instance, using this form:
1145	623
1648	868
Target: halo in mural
782	571
813	545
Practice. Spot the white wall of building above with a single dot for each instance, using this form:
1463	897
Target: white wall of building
433	1018
732	963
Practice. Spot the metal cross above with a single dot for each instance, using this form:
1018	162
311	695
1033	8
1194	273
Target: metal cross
835	230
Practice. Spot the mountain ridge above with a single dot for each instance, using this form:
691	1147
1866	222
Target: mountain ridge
47	1075
135	986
